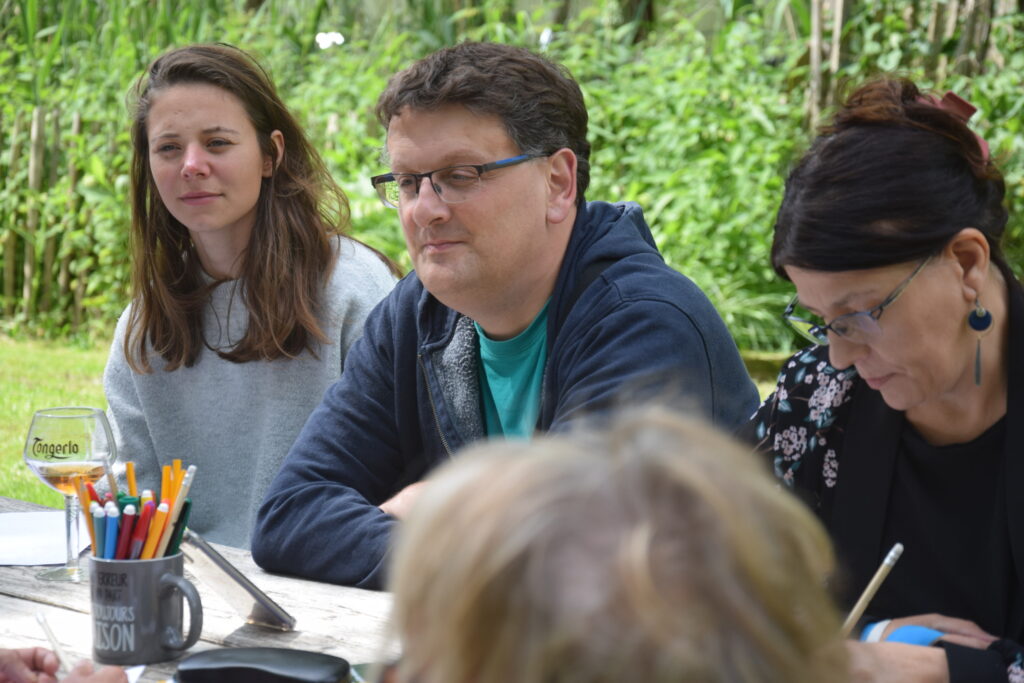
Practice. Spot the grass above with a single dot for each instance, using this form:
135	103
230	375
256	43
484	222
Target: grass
35	375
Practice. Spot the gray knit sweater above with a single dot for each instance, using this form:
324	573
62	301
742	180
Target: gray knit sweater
235	421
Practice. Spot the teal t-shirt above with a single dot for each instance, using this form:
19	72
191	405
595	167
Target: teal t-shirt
510	378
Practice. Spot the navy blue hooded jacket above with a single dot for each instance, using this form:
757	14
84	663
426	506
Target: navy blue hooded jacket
409	396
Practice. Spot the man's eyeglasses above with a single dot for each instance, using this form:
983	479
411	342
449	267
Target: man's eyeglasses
453	184
857	327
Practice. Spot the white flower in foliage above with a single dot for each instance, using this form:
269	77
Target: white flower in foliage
326	40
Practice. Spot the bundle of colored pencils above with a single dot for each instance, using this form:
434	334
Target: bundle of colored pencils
127	526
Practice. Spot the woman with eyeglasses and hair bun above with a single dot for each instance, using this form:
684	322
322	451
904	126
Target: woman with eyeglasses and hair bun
905	421
246	294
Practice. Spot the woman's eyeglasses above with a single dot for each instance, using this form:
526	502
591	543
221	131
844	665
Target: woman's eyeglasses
856	327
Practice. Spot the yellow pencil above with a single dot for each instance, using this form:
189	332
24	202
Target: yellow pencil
147	495
133	489
165	482
172	518
876	582
156	528
83	500
177	473
178	481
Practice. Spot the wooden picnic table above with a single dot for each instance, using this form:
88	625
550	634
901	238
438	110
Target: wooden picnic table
342	621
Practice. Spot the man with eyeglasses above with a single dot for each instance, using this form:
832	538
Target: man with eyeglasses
529	307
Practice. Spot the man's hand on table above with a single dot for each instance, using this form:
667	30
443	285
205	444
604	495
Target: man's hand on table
38	665
401	503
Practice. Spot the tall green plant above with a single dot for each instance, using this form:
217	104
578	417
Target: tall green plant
699	122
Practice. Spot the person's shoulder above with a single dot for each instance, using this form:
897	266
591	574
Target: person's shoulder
391	300
643	281
809	389
353	255
359	269
598	210
804	418
810	367
121	327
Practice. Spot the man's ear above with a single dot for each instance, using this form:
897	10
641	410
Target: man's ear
561	185
970	250
277	139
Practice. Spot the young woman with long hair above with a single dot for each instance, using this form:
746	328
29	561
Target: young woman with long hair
246	295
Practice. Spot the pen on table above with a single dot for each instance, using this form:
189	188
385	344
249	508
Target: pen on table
62	659
872	588
156	527
129	473
83	501
99	523
124	536
141	530
172	518
179	528
110	533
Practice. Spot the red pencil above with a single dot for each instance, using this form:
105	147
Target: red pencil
92	493
141	528
127	524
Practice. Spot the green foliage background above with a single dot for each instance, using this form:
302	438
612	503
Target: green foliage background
698	121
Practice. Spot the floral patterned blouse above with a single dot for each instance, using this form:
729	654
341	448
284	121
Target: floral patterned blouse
801	423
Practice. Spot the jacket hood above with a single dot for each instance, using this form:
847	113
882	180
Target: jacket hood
603	232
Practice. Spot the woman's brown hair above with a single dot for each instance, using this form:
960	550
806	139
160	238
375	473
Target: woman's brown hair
289	257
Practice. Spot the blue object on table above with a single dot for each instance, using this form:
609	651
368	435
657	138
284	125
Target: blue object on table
914	635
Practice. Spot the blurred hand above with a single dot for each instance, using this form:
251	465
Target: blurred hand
958	631
38	665
84	673
27	665
896	663
400	503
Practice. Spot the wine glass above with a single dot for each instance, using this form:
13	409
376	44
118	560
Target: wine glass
61	443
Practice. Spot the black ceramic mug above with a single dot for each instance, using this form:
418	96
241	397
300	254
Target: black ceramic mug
137	610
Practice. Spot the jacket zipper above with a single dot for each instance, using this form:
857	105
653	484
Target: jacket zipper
433	407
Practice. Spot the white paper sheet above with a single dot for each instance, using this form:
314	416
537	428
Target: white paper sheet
37	537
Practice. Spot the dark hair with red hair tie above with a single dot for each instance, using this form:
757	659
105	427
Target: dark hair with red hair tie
891	178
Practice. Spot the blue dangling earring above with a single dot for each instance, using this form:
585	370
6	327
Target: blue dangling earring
980	321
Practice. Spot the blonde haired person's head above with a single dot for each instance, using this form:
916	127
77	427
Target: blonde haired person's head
654	550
